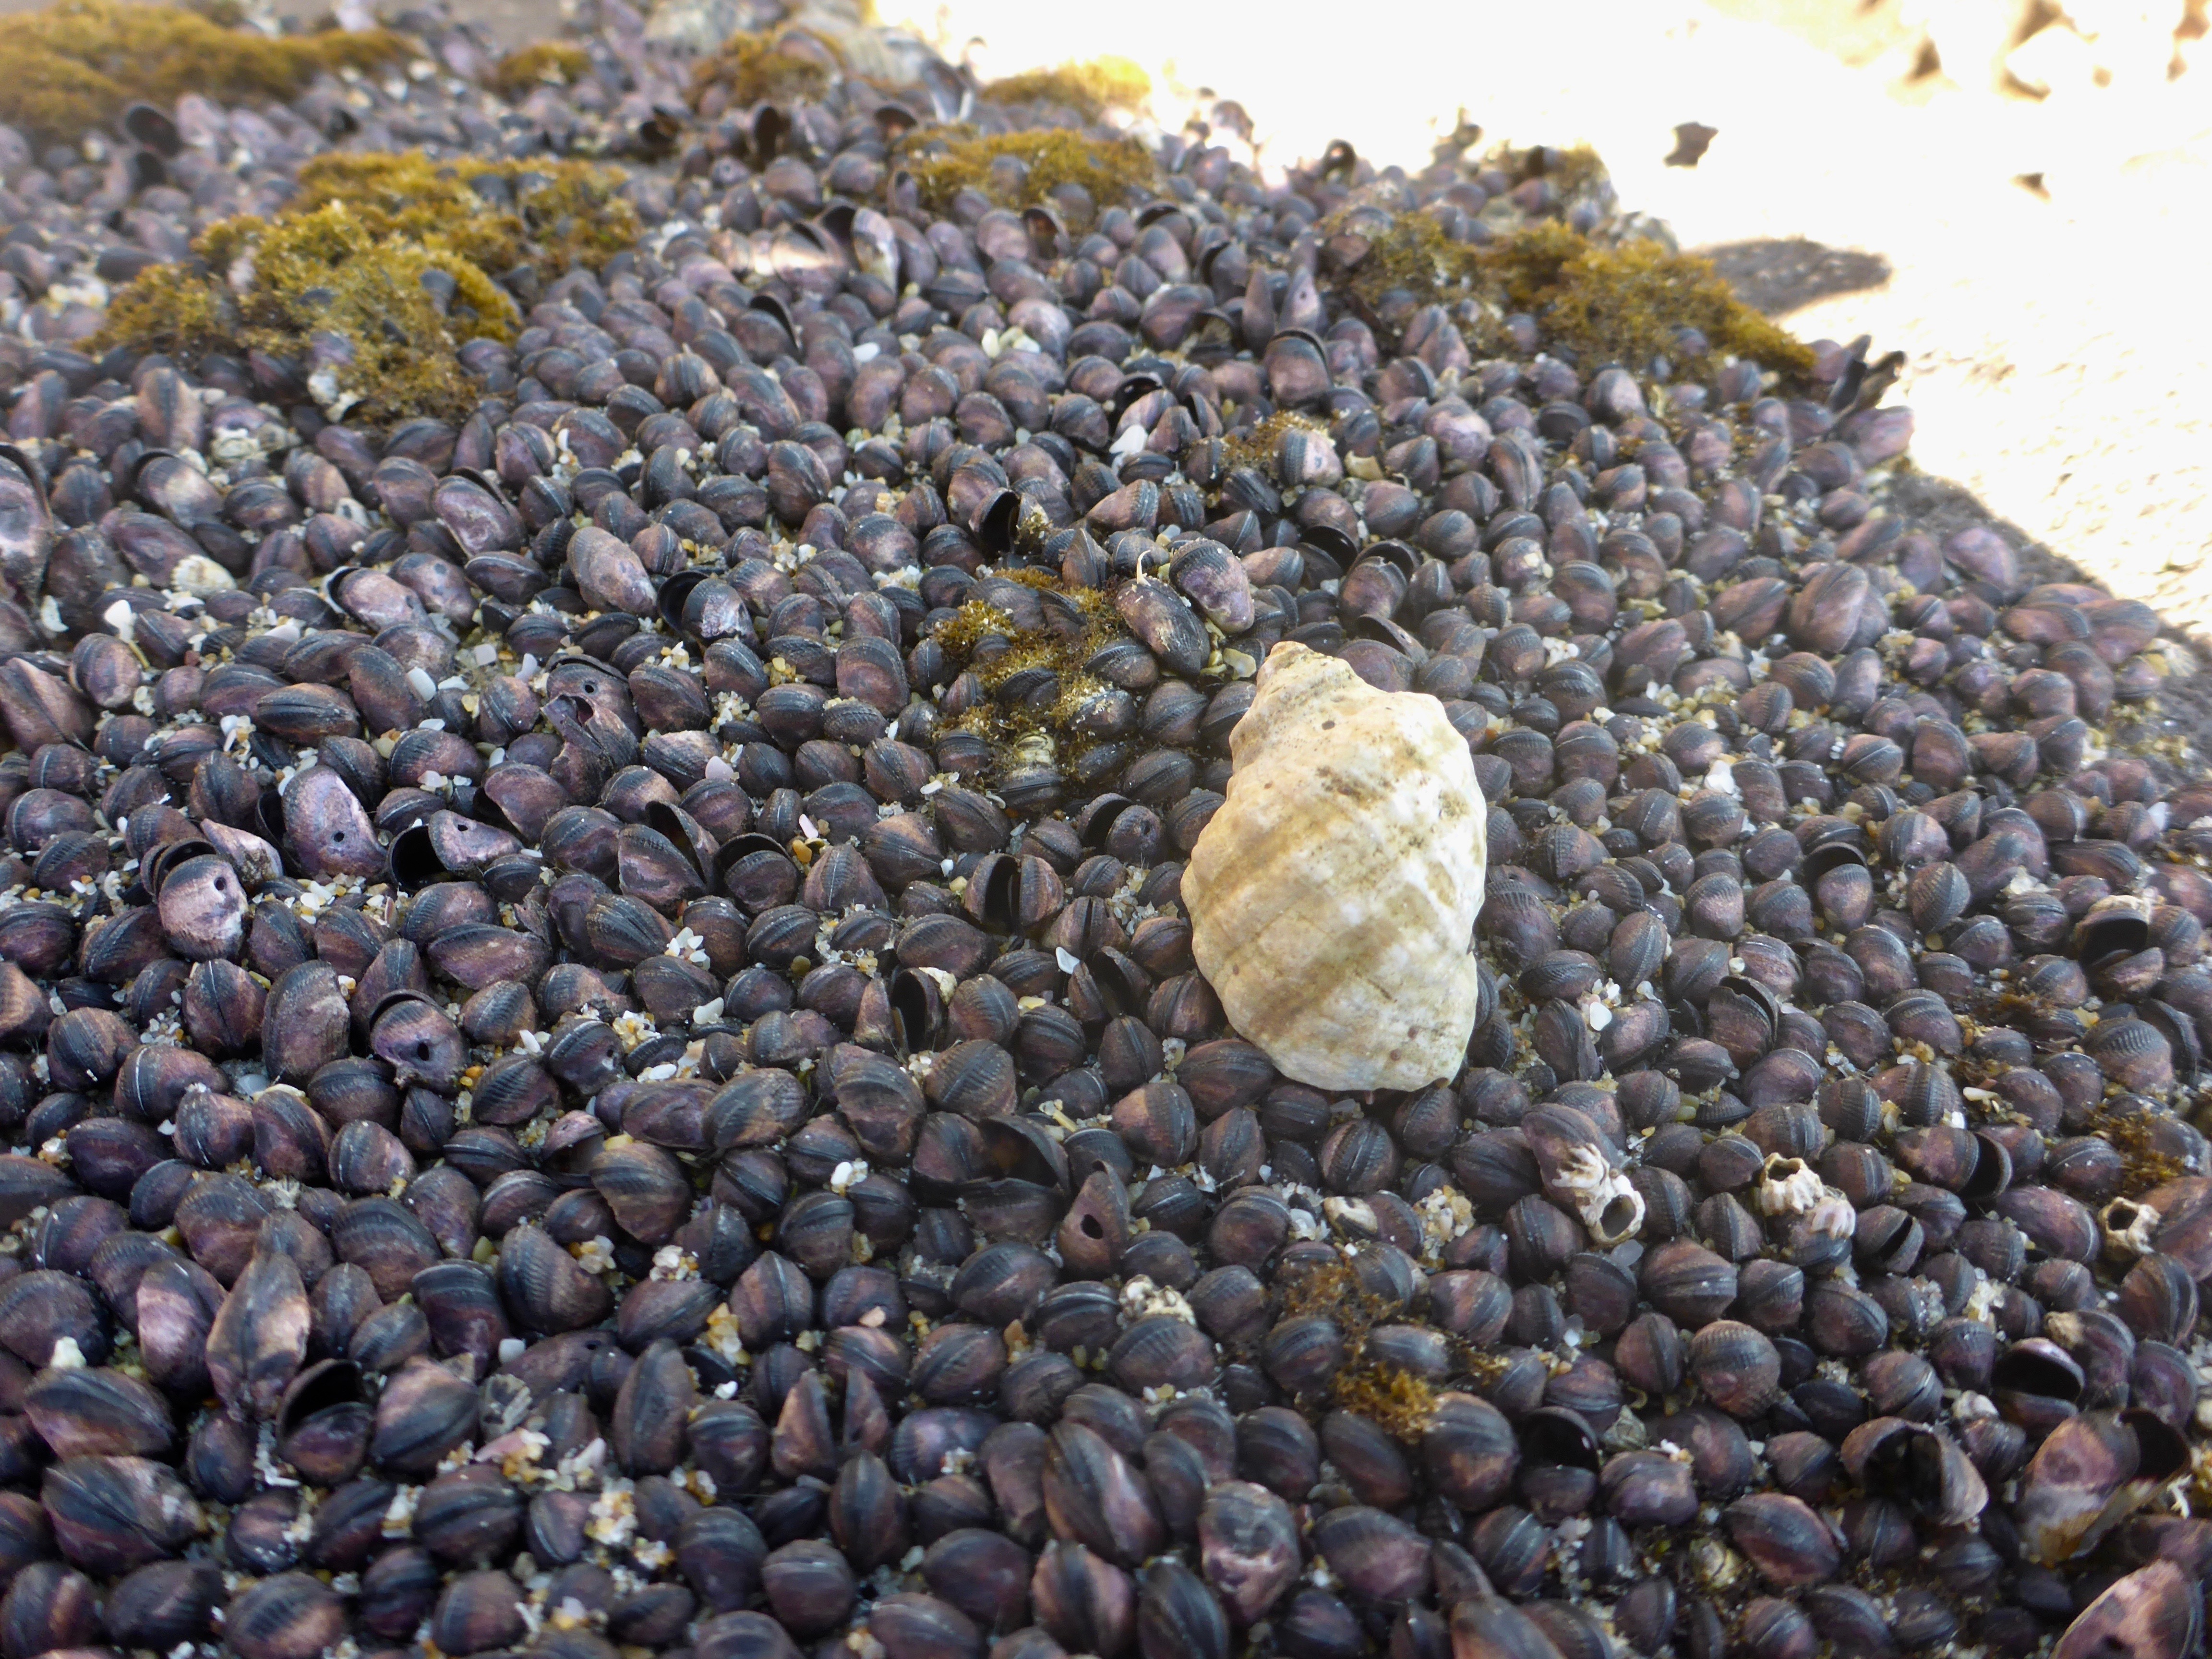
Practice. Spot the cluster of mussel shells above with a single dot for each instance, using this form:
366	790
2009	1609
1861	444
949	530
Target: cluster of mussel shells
88	218
712	1150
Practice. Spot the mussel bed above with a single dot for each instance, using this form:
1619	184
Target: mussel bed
613	661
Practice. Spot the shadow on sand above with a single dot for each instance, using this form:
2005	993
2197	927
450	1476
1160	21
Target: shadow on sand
1777	276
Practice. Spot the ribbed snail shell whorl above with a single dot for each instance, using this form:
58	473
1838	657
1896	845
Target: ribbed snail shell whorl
1333	897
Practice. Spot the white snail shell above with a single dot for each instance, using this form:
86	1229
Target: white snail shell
1332	896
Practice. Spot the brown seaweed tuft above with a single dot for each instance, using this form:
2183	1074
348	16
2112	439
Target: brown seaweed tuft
1017	169
1627	303
1090	89
749	68
347	257
72	67
540	64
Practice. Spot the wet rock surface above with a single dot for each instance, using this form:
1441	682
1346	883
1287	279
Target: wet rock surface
602	1046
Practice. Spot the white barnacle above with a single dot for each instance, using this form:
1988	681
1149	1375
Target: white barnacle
1601	1195
1717	1565
1834	1215
1788	1186
1582	1167
1141	1298
2129	1225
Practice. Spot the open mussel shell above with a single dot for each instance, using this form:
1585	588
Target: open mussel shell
153	868
445	844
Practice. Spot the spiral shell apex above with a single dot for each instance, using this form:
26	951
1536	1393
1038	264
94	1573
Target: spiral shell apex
1333	897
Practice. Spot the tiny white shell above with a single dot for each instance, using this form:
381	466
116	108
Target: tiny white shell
1332	896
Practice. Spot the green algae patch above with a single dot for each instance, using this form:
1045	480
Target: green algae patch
1411	252
541	64
1624	304
1400	1403
394	255
2144	1161
172	309
328	270
754	68
981	637
1578	170
1090	89
1607	304
1256	445
564	213
72	67
1015	169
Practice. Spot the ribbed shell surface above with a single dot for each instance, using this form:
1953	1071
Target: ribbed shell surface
1333	897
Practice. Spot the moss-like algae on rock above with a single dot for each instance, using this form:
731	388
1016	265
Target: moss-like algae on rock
944	161
326	271
541	64
564	212
748	69
69	69
1400	1403
1575	171
172	309
347	257
2144	1164
1090	89
1623	303
980	636
1256	445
